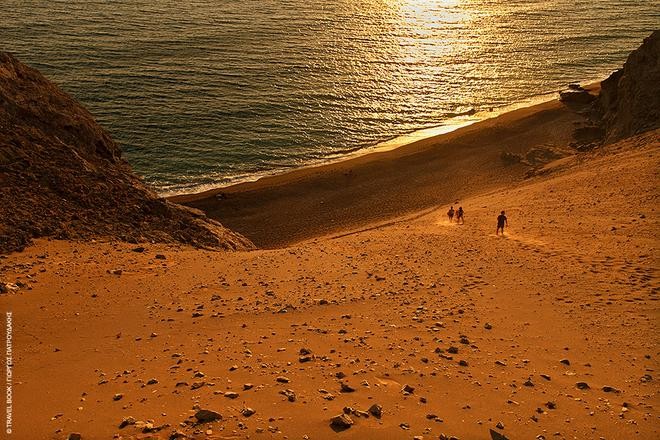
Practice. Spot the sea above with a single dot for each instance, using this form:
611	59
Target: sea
207	93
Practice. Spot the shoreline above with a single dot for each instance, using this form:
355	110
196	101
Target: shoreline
381	185
451	125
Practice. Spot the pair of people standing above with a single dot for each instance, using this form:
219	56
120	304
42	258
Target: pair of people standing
501	219
459	215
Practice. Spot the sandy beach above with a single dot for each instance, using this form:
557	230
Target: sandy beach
381	186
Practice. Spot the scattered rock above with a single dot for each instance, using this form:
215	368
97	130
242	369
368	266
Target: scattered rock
74	436
576	97
407	389
609	389
206	415
126	421
376	410
341	422
494	435
289	394
247	411
346	388
582	385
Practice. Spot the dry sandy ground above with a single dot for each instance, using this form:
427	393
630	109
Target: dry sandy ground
476	325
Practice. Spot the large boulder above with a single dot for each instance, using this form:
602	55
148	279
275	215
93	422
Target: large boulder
61	175
629	101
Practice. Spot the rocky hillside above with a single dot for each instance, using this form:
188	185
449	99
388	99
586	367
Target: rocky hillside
61	175
629	101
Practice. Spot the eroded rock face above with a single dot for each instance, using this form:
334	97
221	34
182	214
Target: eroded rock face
629	101
61	175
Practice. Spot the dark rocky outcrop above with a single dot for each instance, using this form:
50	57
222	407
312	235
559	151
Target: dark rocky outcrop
629	101
61	175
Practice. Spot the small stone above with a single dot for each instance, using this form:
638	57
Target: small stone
282	379
487	326
346	388
407	389
463	363
206	415
494	435
74	436
290	395
376	410
341	422
126	421
565	362
117	397
528	383
609	389
247	386
499	425
247	412
452	350
152	381
582	385
231	395
551	405
160	257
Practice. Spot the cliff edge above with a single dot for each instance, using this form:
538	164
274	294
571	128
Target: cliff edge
61	175
629	101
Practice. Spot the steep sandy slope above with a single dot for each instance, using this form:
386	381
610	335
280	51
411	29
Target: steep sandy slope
485	331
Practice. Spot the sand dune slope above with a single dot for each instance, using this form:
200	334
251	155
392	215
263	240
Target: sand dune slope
449	328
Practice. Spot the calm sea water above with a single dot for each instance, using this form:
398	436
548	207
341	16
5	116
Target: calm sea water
201	93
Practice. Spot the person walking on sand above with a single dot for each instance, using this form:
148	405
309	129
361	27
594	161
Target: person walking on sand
450	214
459	215
501	221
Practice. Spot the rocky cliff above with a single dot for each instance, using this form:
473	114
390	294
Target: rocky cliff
61	175
629	101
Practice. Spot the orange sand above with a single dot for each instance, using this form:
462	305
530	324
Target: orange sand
575	278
